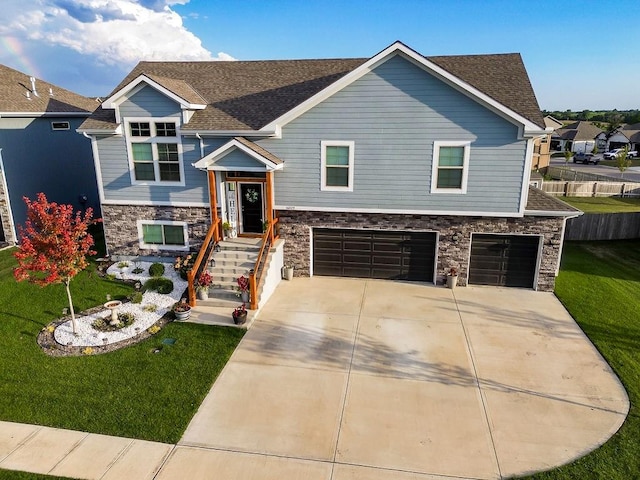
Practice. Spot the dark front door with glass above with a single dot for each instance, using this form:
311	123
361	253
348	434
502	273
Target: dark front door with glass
251	207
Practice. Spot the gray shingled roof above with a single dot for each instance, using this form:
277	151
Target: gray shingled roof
539	202
579	131
14	86
259	150
247	95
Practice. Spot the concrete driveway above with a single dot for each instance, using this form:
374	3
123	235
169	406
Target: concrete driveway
349	379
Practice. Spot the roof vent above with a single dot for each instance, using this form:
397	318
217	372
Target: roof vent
51	92
33	86
28	95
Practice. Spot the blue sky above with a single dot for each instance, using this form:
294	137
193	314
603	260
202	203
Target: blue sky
577	55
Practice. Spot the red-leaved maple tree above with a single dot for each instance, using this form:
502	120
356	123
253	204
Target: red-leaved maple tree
54	243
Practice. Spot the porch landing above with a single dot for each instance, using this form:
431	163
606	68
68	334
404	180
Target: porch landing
206	315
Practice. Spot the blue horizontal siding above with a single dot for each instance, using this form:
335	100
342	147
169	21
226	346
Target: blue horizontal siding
148	102
394	114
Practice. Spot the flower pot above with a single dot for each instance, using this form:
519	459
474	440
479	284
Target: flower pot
244	296
452	281
287	273
239	319
182	316
203	294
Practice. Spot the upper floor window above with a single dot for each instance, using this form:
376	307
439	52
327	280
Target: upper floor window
337	158
154	152
450	167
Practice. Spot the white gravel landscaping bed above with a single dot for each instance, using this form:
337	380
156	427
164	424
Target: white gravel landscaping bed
87	336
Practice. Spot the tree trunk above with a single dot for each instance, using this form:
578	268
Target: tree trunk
73	316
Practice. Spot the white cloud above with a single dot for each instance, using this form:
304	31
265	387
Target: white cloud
114	32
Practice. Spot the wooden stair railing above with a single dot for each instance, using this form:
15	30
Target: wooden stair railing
255	276
213	237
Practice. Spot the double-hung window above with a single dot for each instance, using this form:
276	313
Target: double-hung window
450	167
336	165
155	151
162	235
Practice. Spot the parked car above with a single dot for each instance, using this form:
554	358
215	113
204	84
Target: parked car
582	157
632	154
612	154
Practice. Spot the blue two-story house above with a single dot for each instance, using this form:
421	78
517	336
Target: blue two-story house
40	150
396	166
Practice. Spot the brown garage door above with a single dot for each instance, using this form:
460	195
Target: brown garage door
503	260
374	254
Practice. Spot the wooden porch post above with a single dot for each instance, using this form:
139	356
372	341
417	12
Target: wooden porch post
270	200
213	200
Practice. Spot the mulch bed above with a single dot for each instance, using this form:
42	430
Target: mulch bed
51	347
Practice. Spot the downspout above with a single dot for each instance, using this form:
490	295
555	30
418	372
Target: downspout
201	144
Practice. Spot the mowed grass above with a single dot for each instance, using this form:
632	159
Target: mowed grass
599	283
130	392
604	204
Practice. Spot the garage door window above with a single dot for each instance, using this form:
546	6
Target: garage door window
337	166
450	167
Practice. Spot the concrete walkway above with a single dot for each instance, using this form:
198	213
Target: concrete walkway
348	379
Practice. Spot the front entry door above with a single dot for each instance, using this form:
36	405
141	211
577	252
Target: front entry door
251	207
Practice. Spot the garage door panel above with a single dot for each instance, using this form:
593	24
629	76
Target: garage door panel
503	260
366	254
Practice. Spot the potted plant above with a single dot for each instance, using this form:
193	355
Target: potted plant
226	228
202	285
287	272
243	288
182	310
452	277
239	315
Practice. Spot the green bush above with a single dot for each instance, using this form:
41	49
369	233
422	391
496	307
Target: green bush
159	284
135	297
156	269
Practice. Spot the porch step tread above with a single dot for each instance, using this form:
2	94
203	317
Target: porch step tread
209	315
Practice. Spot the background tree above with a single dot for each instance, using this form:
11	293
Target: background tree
622	162
54	243
567	153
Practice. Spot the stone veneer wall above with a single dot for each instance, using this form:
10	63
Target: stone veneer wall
454	241
121	231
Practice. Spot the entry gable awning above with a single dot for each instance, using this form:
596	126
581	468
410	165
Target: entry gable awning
240	154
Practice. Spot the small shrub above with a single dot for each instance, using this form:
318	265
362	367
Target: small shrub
159	284
87	351
156	269
135	297
137	270
110	276
182	265
124	320
151	307
153	329
123	264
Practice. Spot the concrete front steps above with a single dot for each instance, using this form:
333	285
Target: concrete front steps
236	257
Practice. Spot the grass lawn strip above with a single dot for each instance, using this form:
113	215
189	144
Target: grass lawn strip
599	284
131	392
604	204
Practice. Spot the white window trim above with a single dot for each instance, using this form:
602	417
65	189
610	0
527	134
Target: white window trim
153	140
146	246
465	166
323	165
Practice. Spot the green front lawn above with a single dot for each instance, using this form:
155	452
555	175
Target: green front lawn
599	283
130	392
604	204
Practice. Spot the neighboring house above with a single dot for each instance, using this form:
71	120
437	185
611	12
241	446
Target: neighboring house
397	166
576	137
625	136
542	145
40	150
